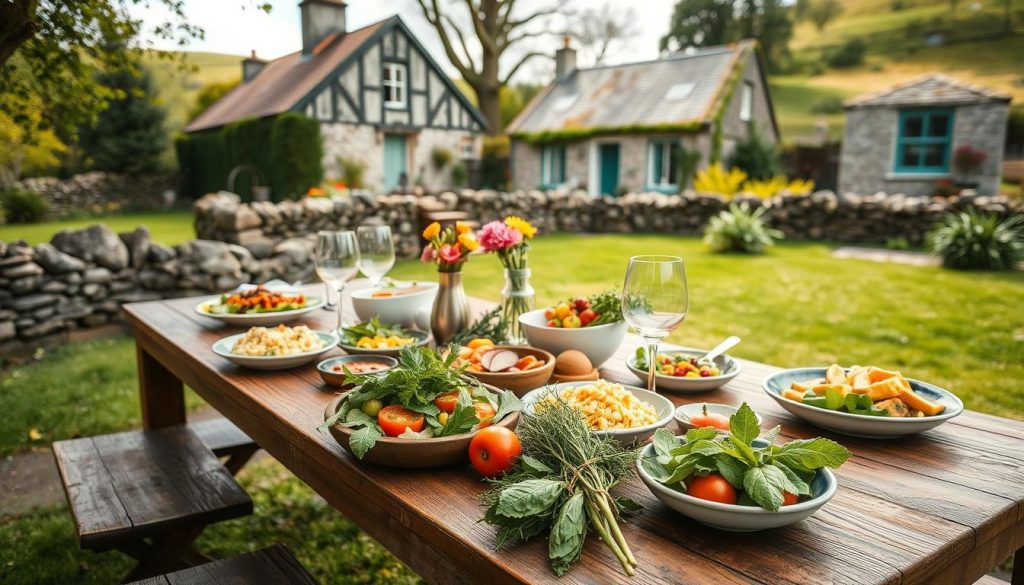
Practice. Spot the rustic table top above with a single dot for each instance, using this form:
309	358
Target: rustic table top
941	507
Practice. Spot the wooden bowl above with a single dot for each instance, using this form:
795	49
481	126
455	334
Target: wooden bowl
413	453
519	383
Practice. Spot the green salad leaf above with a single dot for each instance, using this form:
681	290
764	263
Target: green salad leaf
372	328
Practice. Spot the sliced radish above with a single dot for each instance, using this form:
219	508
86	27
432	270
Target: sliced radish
486	357
502	360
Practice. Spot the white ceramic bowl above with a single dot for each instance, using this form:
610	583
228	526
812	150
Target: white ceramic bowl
313	303
729	367
663	406
283	362
859	425
420	337
598	342
734	517
410	309
684	412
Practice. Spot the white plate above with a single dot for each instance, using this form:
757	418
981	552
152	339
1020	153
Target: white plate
726	364
685	411
283	362
313	303
663	406
860	425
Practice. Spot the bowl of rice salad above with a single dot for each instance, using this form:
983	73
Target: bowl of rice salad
275	348
626	413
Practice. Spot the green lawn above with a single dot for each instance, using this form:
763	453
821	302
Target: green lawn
168	228
795	98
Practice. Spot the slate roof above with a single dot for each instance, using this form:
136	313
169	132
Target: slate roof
930	90
633	94
284	81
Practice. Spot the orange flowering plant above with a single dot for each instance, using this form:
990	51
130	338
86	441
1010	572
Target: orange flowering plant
449	247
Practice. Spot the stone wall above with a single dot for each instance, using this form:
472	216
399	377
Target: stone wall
98	192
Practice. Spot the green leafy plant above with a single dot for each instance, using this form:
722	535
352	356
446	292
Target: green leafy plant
849	54
372	328
762	472
687	160
440	156
971	240
459	175
491	325
352	171
740	230
755	156
21	206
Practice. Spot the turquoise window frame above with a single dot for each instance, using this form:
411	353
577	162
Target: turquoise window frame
925	139
650	185
552	176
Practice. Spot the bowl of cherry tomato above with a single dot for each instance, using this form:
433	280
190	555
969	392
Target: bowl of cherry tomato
684	371
698	415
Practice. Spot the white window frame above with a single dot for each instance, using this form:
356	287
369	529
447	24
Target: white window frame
655	176
323	108
747	102
395	78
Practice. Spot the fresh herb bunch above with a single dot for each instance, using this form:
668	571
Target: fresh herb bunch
763	473
562	484
492	325
372	328
421	376
608	306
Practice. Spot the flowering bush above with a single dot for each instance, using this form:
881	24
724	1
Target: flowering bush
715	179
968	159
449	247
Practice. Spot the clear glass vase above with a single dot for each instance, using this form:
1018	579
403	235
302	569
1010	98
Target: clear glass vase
516	298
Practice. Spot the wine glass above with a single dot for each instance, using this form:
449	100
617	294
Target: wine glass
337	261
376	252
654	302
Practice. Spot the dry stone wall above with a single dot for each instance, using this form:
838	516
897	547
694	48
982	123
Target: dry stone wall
98	192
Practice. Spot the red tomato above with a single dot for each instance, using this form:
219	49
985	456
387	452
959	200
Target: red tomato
712	487
394	419
549	314
709	419
494	450
587	316
446	402
789	499
485	412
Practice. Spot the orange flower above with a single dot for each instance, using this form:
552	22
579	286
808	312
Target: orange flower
468	242
463	227
432	230
339	185
316	192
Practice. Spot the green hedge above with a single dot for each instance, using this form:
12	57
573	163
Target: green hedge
285	148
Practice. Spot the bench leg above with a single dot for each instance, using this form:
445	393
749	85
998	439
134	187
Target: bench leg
169	552
1018	568
237	458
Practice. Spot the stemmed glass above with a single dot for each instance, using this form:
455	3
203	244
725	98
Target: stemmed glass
377	252
337	261
654	302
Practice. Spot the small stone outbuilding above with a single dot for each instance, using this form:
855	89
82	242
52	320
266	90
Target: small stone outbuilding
903	140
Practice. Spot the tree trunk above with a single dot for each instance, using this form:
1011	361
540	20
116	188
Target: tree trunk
17	25
490	106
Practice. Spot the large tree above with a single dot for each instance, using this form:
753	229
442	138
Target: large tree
702	23
822	12
497	27
597	31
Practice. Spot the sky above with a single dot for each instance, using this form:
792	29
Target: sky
236	27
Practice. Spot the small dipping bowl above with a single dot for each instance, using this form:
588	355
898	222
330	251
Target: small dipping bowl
337	379
684	412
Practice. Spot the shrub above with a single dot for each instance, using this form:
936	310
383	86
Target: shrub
352	171
459	175
967	159
715	179
740	230
768	188
440	157
756	157
897	244
686	161
827	105
849	54
21	206
975	241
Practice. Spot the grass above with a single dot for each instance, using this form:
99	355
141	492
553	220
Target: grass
168	228
794	97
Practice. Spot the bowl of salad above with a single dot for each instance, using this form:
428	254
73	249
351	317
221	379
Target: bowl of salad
742	481
683	371
376	338
592	325
422	413
261	305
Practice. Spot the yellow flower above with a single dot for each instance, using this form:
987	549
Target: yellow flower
432	230
468	242
463	227
524	227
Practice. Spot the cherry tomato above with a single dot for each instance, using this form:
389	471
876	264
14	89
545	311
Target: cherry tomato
549	314
709	419
554	323
789	499
587	316
485	412
494	450
562	310
711	487
394	419
446	402
571	322
581	305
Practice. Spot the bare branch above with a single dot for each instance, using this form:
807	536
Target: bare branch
432	14
486	40
462	42
512	24
520	63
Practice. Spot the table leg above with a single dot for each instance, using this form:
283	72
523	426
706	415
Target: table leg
1018	568
161	393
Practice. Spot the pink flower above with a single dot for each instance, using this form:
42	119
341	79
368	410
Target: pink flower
428	255
498	236
450	254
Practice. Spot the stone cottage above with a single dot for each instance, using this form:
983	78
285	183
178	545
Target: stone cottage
903	140
619	128
379	96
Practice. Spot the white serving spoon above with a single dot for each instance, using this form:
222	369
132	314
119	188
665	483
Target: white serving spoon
727	344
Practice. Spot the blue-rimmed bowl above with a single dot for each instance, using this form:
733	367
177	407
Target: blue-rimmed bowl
734	517
729	367
860	425
274	362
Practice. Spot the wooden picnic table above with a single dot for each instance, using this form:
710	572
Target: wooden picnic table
945	506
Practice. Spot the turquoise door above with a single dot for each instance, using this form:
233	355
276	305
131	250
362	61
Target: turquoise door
608	159
394	160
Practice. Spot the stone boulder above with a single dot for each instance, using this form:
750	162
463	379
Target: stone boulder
137	242
96	244
55	261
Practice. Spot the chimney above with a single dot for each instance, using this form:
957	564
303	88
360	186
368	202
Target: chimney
565	59
319	19
251	66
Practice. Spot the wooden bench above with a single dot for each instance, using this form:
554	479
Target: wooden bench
148	494
226	441
275	564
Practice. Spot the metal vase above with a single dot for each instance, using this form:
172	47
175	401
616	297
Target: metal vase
451	308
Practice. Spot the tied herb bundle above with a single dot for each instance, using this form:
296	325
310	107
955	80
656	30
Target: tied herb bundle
562	484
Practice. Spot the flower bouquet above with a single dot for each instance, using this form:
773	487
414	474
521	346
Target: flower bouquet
510	240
